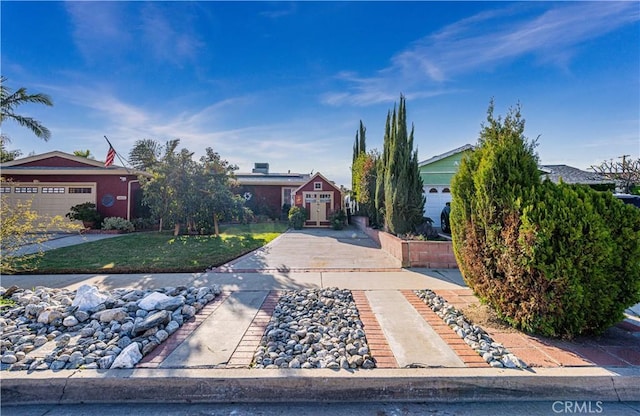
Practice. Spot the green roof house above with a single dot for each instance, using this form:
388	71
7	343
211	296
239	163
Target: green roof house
436	174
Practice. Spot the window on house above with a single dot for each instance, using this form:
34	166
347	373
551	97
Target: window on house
25	190
287	196
79	190
52	190
317	186
5	189
446	191
433	191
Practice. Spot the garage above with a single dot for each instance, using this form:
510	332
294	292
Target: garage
50	199
436	199
56	181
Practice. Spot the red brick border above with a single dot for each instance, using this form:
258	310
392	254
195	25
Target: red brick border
162	351
243	354
378	345
469	357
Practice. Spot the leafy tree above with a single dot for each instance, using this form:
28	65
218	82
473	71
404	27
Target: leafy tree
7	155
146	153
215	187
359	147
625	171
83	153
10	100
364	179
20	225
403	199
183	191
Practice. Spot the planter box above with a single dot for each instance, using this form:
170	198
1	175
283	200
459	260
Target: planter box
431	254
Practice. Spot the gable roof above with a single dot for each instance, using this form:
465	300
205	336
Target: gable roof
571	175
314	177
281	179
45	164
446	155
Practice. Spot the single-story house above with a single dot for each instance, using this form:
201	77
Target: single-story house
571	175
436	174
56	181
320	198
268	193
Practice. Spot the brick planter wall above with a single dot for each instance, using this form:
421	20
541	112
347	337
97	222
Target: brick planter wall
431	254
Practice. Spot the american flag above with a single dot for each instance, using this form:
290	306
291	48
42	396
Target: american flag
111	154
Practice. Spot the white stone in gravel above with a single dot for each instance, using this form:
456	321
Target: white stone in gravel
88	297
150	302
128	358
9	358
48	316
70	321
108	315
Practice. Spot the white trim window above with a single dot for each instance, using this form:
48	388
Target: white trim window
317	186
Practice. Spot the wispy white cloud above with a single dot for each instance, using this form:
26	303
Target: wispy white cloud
483	42
107	30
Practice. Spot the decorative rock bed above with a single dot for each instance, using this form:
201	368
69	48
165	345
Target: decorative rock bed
55	329
318	328
494	353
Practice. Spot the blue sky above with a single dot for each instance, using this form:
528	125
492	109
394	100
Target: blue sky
288	82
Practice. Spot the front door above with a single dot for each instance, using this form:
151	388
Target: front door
317	204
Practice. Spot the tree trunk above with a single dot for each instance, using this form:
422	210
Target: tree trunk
160	225
215	225
176	230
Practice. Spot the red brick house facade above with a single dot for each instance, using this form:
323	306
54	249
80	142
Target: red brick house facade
56	181
320	198
266	193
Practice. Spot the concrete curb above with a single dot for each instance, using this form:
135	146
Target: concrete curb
248	386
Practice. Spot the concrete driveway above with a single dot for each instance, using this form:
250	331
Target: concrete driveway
317	249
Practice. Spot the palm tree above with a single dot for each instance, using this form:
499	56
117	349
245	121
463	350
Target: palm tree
83	153
10	100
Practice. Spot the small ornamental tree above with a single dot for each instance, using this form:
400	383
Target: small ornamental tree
557	260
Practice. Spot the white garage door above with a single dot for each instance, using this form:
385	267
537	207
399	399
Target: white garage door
50	199
437	197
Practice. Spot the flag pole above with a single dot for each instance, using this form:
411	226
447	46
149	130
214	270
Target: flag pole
117	154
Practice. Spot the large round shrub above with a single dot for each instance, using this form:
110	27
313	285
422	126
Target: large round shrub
557	260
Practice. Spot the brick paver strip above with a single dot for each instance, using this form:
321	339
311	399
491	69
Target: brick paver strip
244	352
376	340
469	357
162	351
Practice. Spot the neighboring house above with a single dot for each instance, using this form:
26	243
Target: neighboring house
320	198
56	181
571	175
266	193
436	174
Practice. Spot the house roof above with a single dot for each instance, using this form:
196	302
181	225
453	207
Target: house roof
83	166
571	175
446	155
314	177
281	179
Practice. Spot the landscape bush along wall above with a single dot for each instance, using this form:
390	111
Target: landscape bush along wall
411	253
557	260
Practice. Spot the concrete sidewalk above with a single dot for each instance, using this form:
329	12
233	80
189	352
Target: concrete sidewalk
208	360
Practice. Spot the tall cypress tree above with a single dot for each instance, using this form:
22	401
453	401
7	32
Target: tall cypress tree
403	199
359	146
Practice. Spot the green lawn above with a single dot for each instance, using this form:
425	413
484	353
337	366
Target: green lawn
153	252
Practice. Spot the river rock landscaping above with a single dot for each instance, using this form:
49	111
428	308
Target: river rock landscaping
55	329
494	353
318	328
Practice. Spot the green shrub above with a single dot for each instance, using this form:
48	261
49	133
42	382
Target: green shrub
117	223
297	217
338	219
85	212
557	260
